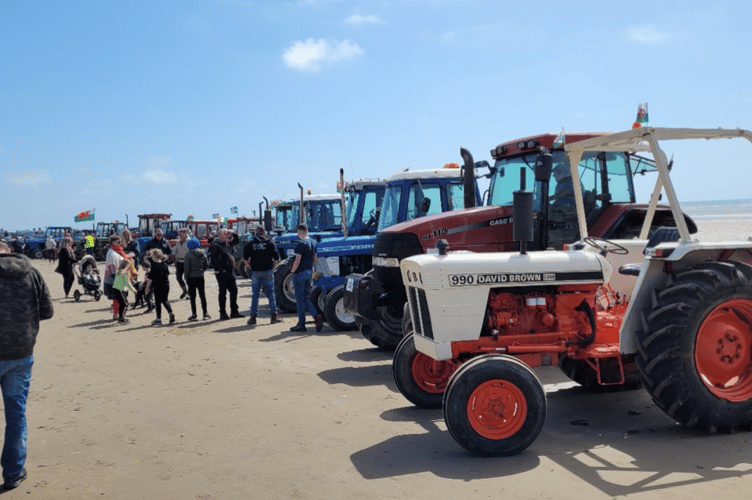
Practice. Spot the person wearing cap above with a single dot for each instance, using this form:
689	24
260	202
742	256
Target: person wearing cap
181	249
302	267
195	263
260	256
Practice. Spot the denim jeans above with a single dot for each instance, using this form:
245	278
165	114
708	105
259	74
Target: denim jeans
15	376
263	279
302	283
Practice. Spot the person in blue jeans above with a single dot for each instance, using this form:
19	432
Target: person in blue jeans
260	256
24	301
305	258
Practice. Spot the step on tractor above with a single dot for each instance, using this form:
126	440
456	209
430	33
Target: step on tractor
323	215
663	310
377	299
408	195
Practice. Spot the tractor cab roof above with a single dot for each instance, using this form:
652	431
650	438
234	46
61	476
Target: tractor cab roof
644	140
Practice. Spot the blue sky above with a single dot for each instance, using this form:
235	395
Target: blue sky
191	107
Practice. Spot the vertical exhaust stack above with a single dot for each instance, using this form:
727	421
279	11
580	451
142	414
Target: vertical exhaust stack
342	192
522	224
468	178
267	217
543	167
301	218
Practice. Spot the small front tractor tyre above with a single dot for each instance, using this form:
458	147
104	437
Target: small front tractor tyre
695	350
494	405
421	379
335	313
37	254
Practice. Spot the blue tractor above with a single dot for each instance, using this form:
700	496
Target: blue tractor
323	214
35	245
408	195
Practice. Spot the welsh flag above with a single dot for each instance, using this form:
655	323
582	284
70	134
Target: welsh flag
84	216
642	115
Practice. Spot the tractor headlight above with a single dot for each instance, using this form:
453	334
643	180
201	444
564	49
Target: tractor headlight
386	261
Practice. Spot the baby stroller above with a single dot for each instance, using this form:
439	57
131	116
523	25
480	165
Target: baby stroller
88	278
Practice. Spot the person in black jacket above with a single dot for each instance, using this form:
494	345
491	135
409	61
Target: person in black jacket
24	301
158	242
260	255
223	263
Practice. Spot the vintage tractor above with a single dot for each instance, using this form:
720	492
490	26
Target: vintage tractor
607	187
673	310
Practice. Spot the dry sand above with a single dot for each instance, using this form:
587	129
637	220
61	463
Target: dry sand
220	410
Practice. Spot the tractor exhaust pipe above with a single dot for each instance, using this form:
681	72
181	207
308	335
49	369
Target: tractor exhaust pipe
342	192
267	217
301	218
468	177
522	206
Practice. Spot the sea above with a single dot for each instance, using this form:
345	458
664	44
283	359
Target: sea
721	220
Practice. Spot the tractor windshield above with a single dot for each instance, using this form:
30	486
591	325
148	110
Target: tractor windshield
371	199
390	207
320	215
604	178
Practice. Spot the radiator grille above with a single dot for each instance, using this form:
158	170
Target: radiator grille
419	304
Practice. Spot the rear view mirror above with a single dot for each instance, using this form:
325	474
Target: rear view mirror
425	205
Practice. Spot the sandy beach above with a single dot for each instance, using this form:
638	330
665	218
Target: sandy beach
222	410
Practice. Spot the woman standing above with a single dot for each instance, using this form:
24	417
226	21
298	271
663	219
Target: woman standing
66	259
195	265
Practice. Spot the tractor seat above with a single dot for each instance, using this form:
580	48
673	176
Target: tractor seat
660	235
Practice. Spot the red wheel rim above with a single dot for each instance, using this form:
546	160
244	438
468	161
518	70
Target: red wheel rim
432	376
497	409
722	351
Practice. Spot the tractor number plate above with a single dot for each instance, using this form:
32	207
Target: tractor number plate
350	283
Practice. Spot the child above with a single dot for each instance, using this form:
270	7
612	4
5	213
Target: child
158	279
143	298
120	288
194	265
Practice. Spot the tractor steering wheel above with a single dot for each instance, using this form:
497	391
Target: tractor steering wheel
617	249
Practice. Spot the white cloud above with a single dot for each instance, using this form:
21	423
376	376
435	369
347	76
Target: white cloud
30	177
646	34
357	19
159	176
312	54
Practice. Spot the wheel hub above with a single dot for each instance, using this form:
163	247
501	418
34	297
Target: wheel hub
431	375
722	352
497	409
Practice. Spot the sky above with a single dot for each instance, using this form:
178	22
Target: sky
191	107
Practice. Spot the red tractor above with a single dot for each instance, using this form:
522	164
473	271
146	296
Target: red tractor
606	189
664	309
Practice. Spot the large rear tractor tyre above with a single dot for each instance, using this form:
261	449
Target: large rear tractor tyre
335	313
581	372
695	351
494	405
407	321
420	378
382	333
284	289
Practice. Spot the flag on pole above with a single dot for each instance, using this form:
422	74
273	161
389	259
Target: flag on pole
560	140
642	115
233	210
84	216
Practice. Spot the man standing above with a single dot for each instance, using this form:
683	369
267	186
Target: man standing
89	244
260	255
181	249
24	301
158	242
305	258
223	262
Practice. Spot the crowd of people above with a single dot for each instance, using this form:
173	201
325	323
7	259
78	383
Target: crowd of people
124	263
25	301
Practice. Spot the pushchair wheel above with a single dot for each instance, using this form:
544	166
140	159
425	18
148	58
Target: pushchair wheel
97	295
76	295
